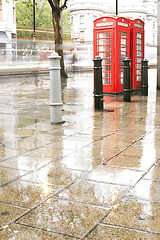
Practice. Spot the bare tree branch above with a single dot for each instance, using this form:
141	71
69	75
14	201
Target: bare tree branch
64	6
52	4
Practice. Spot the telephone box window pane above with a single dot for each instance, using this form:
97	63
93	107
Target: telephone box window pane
139	35
101	55
123	41
123	48
123	34
139	59
121	79
139	54
123	52
107	68
107	48
101	42
108	34
104	51
139	66
139	41
138	72
106	81
100	48
138	78
139	47
100	35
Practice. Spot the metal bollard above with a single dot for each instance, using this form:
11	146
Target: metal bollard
98	87
55	88
144	77
127	80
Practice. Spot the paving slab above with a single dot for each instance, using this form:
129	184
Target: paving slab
63	216
95	176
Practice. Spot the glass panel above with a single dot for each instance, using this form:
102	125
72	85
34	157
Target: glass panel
139	35
139	54
123	41
100	48
104	51
123	48
106	81
138	78
101	41
106	48
139	66
123	54
101	55
101	35
138	72
139	41
139	59
139	47
123	34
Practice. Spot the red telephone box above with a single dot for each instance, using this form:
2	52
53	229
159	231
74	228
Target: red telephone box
111	40
137	52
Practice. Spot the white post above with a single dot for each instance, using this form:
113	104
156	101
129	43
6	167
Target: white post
55	88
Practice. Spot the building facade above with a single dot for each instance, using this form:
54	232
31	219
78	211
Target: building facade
7	29
83	15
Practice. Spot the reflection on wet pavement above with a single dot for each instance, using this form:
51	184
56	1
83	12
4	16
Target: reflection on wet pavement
96	176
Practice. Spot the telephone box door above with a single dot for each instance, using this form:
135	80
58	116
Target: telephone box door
104	49
123	51
137	52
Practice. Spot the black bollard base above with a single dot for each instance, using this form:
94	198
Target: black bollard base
98	102
144	90
98	86
127	80
144	77
126	95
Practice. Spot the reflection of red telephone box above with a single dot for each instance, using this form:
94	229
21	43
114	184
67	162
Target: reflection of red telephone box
111	40
137	52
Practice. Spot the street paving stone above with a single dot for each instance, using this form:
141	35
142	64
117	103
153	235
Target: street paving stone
95	176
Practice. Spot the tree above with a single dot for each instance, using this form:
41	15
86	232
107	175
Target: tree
24	19
57	7
43	23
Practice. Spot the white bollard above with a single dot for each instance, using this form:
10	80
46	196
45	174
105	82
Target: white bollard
55	88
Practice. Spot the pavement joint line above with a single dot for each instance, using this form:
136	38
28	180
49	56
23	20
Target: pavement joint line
13	180
33	208
13	205
141	199
27	171
81	202
129	228
46	230
96	225
143	176
109	183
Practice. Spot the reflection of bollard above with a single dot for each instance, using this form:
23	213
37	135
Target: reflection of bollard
55	88
127	80
144	77
98	87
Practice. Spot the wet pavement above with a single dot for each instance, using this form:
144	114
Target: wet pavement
96	176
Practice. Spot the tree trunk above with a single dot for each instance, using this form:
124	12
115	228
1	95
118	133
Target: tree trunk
56	14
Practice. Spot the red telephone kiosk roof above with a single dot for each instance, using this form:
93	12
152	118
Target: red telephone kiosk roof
110	21
136	23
